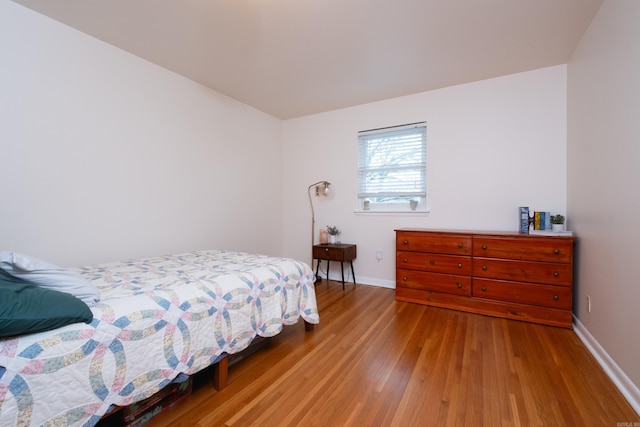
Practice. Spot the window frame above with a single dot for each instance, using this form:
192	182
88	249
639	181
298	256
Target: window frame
410	161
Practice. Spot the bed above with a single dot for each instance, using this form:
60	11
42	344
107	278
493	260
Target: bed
157	318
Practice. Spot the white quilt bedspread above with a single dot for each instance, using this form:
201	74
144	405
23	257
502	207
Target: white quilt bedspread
158	317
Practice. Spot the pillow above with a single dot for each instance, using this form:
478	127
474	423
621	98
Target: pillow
25	309
48	276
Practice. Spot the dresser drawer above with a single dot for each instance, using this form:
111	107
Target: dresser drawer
523	271
545	249
447	283
541	295
452	264
452	244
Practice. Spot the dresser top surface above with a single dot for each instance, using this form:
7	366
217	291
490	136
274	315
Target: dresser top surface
485	233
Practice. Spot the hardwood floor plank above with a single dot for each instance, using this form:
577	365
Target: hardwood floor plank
375	361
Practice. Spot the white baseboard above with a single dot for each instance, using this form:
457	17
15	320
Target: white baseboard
391	284
628	389
336	275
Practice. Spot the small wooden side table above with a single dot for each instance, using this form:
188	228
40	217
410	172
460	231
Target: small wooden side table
336	252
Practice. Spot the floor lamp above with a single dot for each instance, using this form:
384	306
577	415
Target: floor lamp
321	189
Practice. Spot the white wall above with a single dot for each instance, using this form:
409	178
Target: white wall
603	177
493	145
106	156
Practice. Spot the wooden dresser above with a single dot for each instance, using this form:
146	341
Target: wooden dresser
511	275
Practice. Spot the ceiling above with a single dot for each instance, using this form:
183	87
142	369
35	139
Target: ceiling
291	58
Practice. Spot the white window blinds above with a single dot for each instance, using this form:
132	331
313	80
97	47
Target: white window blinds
392	167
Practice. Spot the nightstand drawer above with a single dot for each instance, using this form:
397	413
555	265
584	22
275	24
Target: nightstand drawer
335	252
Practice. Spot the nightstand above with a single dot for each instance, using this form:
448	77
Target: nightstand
341	252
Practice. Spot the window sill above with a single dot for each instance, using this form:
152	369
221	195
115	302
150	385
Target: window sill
391	212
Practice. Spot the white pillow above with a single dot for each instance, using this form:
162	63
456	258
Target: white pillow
48	276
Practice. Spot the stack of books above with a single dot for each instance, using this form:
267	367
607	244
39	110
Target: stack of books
538	222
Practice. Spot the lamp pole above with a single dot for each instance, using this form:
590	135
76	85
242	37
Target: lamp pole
326	185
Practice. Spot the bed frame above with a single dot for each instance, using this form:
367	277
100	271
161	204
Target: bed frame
221	369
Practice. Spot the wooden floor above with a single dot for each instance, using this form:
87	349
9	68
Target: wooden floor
373	361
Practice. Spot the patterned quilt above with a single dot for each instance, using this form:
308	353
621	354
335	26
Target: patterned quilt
157	318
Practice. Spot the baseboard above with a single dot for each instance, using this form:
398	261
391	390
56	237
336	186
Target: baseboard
391	284
628	389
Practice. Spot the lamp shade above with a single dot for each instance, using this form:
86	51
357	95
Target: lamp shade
323	189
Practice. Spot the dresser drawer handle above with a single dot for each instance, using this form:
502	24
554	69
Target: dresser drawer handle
556	297
459	285
406	242
326	249
484	268
556	274
484	289
406	260
404	278
459	265
484	247
556	251
460	245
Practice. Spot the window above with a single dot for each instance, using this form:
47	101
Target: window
392	168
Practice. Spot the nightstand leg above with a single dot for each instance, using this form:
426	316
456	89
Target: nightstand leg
342	271
317	269
353	273
328	264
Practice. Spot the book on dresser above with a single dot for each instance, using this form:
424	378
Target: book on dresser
510	275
